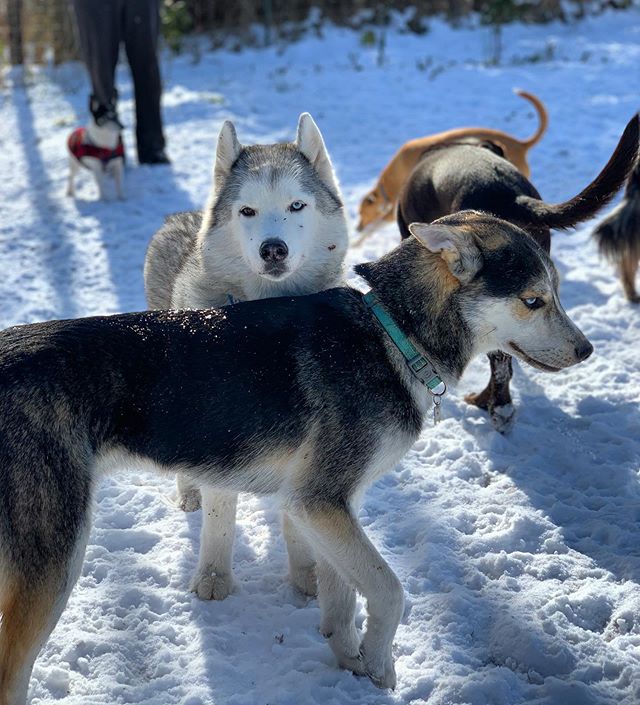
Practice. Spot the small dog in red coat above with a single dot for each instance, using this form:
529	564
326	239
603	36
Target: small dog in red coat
99	148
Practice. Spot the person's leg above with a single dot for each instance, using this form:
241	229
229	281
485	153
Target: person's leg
141	31
99	25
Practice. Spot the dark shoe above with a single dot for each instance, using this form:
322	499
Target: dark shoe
157	157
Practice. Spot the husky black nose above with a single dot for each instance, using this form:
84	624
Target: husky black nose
274	250
583	350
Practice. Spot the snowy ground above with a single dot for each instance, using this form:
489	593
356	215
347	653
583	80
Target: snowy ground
519	555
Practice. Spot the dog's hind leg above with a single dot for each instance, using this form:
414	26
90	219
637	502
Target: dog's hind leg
628	269
71	183
118	175
495	398
338	536
214	575
30	607
302	561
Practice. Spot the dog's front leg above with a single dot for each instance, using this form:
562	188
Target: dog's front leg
118	175
302	561
189	499
214	576
338	606
496	396
338	536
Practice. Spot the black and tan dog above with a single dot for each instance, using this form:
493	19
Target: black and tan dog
474	174
618	235
307	398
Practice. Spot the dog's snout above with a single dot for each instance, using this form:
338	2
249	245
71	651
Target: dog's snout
583	350
274	250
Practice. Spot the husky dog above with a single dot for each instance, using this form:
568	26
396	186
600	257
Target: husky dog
97	147
274	225
475	174
318	404
618	235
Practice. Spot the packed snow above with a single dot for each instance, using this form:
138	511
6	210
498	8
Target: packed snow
519	554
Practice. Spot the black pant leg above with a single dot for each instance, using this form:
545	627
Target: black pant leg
100	26
141	33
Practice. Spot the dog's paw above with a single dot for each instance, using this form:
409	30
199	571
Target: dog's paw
380	670
304	579
634	299
209	585
191	500
502	417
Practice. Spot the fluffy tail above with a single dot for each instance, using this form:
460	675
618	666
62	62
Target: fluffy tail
595	196
618	234
543	118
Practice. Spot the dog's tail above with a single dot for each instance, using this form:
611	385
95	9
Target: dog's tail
532	211
543	118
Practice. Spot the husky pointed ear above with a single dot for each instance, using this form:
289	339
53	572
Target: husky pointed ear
454	244
227	151
309	141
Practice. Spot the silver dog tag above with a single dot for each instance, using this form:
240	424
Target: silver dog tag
437	413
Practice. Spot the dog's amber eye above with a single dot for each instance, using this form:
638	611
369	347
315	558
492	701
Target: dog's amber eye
247	212
297	206
533	302
370	199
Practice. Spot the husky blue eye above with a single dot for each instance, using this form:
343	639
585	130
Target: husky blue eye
297	206
246	211
533	302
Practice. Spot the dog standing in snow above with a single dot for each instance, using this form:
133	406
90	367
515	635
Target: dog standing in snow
97	147
274	225
308	398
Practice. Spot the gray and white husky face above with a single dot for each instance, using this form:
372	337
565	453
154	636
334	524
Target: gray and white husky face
276	222
509	293
278	208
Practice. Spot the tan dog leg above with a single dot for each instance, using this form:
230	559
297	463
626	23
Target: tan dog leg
339	537
338	605
628	269
302	561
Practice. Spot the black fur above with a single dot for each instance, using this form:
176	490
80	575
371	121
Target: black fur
457	177
196	388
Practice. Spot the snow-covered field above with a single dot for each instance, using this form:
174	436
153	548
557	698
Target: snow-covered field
520	555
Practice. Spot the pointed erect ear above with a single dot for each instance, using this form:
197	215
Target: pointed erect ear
309	141
455	246
227	152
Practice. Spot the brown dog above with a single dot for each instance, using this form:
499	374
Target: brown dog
378	206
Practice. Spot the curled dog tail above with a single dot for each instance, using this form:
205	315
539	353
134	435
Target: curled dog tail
590	200
543	118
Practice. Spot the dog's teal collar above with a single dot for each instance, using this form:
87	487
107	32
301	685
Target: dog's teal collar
420	367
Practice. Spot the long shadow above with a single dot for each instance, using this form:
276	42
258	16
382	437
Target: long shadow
57	251
582	474
472	614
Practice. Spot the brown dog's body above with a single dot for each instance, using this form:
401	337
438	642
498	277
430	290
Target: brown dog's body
378	205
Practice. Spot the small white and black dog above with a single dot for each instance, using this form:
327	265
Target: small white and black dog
99	148
274	225
308	398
